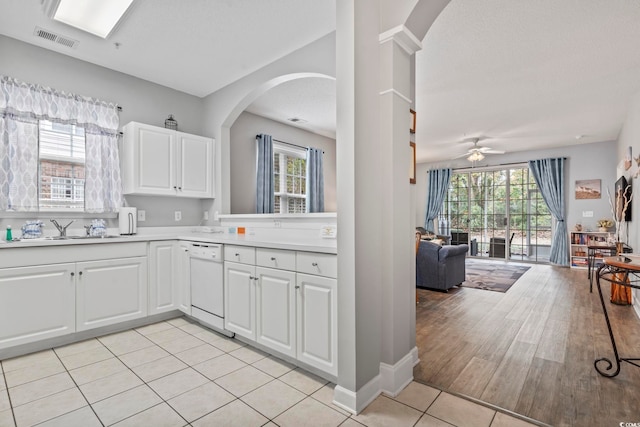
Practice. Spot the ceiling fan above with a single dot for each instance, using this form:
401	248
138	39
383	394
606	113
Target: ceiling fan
476	153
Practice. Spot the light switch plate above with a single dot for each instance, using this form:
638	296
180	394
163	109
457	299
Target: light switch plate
142	215
587	214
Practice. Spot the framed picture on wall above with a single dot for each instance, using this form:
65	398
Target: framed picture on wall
588	189
622	197
412	165
412	121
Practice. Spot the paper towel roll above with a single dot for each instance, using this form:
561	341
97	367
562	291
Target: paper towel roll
128	219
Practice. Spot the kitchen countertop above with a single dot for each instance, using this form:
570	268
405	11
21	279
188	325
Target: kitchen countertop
289	242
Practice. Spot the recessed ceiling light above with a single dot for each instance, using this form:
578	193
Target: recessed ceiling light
98	17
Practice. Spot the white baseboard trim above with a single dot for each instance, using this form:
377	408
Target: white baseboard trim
391	381
416	356
394	378
355	402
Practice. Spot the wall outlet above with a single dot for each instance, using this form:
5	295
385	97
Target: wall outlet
205	215
142	215
277	223
587	214
177	215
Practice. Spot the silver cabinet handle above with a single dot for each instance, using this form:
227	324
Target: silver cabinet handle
273	258
73	274
80	273
237	254
297	287
315	264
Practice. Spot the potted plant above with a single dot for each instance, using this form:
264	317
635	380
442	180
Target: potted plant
604	225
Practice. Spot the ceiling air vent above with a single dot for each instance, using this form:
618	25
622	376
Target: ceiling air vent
56	38
297	120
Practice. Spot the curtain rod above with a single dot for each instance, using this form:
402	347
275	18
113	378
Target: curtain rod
288	143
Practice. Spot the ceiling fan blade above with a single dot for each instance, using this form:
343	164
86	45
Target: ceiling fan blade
462	155
490	151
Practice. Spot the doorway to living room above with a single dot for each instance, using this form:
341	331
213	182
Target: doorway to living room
499	212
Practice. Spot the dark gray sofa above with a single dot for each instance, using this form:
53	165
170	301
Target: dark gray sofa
440	267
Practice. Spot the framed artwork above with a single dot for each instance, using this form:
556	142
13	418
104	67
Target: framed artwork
622	197
628	158
412	166
588	189
412	121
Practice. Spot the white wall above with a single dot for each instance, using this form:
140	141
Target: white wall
630	137
141	101
243	159
223	107
590	161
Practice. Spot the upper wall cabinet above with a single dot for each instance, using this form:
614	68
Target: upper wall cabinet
164	162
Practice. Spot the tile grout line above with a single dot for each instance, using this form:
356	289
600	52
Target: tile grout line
77	387
6	385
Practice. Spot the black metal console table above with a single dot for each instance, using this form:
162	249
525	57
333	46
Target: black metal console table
592	250
623	271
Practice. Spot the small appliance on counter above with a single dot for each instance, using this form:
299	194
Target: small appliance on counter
128	219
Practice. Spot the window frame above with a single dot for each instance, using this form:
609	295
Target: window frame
286	151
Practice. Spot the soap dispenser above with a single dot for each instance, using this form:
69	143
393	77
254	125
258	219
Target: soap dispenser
9	236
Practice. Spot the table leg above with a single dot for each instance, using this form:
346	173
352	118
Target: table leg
609	365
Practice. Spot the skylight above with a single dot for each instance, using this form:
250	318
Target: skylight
97	17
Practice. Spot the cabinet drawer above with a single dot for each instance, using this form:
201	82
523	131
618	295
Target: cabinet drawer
317	263
276	258
243	254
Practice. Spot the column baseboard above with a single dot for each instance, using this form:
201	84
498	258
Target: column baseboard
391	381
394	378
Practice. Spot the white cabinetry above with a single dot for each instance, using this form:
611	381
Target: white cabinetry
276	309
284	300
164	162
110	291
184	281
36	303
240	298
75	288
317	321
163	276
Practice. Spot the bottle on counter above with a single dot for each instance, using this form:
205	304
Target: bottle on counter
9	236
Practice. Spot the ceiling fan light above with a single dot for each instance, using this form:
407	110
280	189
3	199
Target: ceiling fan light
476	156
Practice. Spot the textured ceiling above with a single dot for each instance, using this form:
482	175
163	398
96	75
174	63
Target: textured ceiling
526	74
522	74
194	46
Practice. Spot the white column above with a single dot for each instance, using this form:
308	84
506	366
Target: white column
398	268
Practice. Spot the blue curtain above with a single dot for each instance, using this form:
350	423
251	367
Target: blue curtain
549	175
436	191
315	181
264	175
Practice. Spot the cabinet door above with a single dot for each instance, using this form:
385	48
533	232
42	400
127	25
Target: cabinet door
240	299
195	160
36	303
149	163
163	276
276	309
317	322
184	279
110	291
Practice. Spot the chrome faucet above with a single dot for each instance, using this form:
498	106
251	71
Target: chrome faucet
62	229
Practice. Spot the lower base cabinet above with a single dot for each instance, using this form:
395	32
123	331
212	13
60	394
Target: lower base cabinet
36	303
110	291
317	321
59	298
288	311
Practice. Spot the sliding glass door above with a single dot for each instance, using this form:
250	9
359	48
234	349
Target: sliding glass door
499	213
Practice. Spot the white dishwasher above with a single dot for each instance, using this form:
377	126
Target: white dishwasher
206	276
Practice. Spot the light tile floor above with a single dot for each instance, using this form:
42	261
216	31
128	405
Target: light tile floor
177	373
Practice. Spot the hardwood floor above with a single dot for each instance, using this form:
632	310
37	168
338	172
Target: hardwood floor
531	350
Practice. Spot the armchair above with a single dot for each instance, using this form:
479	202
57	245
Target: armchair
440	267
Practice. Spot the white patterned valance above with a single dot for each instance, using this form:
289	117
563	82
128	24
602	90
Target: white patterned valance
21	106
